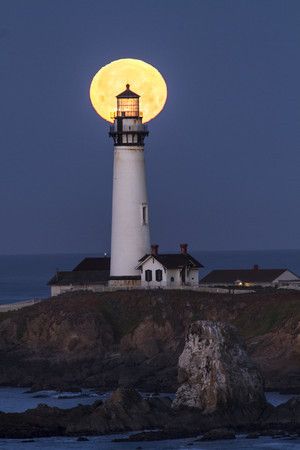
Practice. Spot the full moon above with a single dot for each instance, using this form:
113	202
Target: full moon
143	79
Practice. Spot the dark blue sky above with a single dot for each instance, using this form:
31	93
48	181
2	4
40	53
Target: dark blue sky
223	160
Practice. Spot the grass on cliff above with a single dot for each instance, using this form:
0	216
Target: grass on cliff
268	314
253	314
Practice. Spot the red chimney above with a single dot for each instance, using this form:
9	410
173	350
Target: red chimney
154	250
183	248
256	267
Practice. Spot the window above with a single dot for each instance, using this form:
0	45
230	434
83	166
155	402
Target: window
148	275
172	279
144	214
128	107
158	275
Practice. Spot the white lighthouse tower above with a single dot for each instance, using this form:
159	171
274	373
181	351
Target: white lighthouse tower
130	237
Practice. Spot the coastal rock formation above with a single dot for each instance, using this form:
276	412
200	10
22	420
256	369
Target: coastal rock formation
286	415
218	434
127	411
124	410
134	338
215	371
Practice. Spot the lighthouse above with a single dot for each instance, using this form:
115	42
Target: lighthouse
132	263
130	234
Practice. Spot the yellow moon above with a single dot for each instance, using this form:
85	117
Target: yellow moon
143	79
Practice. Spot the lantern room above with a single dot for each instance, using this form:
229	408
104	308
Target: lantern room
128	104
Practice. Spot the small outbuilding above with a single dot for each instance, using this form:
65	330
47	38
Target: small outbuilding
249	277
168	270
90	274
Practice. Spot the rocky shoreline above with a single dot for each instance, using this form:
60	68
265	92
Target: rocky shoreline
219	385
127	411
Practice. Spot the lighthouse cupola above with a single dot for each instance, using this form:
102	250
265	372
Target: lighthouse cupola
128	128
128	103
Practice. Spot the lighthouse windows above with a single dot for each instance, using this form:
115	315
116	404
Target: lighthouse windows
144	214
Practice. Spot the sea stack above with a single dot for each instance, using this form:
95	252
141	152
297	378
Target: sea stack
215	371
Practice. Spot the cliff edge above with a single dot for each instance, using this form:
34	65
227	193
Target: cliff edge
134	338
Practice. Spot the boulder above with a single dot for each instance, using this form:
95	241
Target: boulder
285	415
253	435
215	371
125	410
217	434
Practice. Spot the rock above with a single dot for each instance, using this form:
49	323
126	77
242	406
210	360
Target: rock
125	410
158	435
127	397
218	434
273	433
253	435
215	371
82	439
286	414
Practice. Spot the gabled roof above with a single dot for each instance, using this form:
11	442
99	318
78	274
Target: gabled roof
172	260
128	93
88	271
244	275
93	264
80	277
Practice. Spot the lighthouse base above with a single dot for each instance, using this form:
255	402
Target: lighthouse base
125	282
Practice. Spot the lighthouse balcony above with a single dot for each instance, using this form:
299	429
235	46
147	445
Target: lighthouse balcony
131	114
139	128
128	137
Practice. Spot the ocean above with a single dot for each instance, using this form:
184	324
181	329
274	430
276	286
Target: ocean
105	443
24	277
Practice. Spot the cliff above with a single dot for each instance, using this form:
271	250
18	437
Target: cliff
135	337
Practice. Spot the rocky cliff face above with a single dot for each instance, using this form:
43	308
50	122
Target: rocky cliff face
215	371
135	338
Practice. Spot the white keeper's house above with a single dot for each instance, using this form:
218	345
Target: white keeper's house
169	269
165	270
